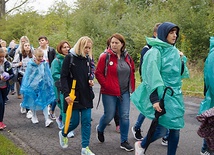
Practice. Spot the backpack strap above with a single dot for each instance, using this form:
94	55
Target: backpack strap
71	64
20	57
58	89
106	62
106	69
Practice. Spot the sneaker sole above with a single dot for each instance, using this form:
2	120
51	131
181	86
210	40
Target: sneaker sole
60	134
164	144
128	150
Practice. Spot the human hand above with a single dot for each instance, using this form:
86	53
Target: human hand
68	100
181	53
157	107
20	63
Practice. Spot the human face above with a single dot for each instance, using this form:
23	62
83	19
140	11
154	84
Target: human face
43	42
23	40
65	48
116	45
39	56
26	47
88	48
172	36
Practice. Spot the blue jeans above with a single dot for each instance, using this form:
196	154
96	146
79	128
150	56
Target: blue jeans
204	146
53	105
3	95
173	138
123	104
139	122
85	124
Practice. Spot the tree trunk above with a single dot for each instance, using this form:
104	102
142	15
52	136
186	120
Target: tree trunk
2	7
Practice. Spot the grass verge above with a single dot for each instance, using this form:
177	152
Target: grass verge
192	87
8	147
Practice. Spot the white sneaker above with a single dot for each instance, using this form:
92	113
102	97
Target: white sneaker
22	110
34	119
63	141
138	149
86	151
48	122
29	114
59	123
164	142
70	134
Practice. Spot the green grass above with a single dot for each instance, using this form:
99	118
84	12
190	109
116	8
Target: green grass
193	86
7	147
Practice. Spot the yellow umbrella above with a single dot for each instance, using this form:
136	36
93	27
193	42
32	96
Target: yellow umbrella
70	106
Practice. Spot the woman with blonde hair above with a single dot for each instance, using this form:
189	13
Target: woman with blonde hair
18	51
80	70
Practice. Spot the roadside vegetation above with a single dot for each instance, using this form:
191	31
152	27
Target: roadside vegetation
8	147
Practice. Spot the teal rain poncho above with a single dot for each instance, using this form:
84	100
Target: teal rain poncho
208	101
162	68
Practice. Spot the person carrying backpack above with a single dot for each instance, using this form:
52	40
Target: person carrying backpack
116	87
79	70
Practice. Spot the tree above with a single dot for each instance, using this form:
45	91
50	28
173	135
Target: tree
17	4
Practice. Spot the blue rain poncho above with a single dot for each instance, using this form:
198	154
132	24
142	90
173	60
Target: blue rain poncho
208	101
37	86
162	68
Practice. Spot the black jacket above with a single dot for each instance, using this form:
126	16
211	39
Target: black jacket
80	70
51	55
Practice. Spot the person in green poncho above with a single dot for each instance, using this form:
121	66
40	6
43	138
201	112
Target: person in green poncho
207	103
163	66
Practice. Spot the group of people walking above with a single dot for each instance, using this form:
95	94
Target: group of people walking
48	77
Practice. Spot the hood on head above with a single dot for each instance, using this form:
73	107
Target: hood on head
164	29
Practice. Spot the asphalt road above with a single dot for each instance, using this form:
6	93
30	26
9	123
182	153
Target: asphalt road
36	139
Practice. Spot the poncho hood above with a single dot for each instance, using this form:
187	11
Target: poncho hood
164	29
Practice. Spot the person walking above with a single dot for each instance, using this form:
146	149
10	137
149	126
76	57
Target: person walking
76	66
62	50
117	80
208	103
6	73
136	129
20	62
37	87
163	66
49	55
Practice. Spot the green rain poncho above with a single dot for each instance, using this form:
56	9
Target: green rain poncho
208	101
162	68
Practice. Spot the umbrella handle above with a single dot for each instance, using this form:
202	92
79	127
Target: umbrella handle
172	92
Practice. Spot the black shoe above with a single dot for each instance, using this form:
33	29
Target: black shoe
125	145
100	135
137	134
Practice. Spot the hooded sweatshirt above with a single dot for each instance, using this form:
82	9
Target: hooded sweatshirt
162	68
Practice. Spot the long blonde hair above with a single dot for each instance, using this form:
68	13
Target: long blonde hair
21	44
79	47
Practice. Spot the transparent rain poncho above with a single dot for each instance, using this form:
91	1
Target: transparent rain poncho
162	68
37	86
208	101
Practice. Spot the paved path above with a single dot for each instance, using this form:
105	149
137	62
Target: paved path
35	139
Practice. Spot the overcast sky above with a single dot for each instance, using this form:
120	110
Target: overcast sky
39	5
